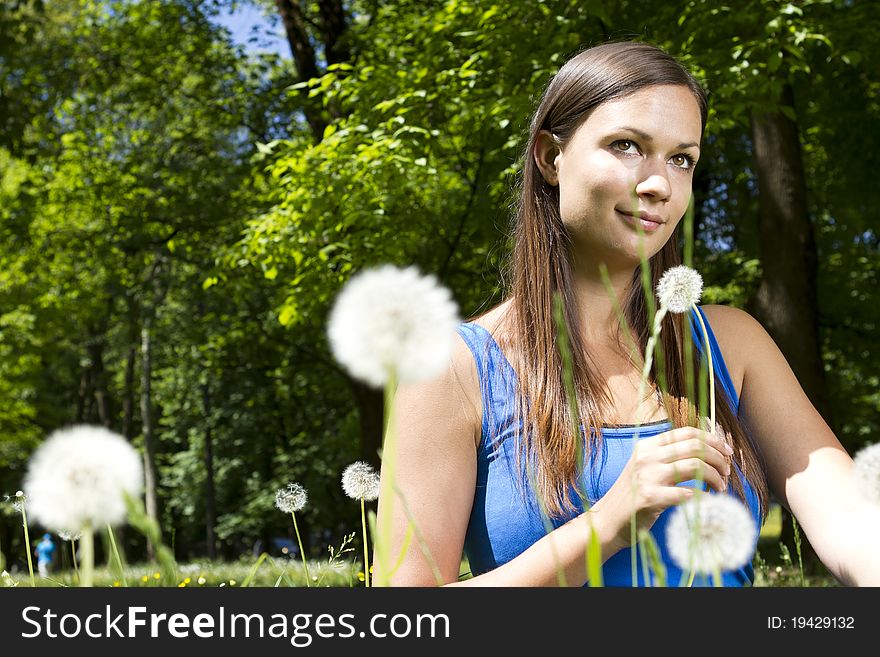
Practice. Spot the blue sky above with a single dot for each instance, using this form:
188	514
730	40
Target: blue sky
254	31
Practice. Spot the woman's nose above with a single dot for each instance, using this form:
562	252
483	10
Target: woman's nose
654	184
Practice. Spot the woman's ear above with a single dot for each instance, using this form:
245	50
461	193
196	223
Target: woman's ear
545	152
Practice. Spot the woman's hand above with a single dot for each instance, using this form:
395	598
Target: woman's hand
647	484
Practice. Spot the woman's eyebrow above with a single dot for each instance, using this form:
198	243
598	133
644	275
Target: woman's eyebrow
646	137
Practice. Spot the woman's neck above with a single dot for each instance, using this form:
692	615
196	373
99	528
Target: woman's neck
597	308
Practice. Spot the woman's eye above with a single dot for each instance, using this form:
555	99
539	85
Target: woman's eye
682	161
626	146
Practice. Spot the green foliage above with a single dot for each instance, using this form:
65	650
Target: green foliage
149	170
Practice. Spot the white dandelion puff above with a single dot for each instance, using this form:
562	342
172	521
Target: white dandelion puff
393	321
79	476
360	481
68	536
867	472
6	580
18	500
679	289
291	499
711	533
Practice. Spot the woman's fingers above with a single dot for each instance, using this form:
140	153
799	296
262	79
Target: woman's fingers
674	495
695	448
695	468
691	453
683	434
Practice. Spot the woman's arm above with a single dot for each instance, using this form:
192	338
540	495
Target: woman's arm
438	425
807	467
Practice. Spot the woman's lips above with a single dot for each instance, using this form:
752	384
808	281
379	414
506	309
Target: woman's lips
649	222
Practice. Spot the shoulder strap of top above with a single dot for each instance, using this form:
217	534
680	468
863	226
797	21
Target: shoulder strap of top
721	373
475	340
479	342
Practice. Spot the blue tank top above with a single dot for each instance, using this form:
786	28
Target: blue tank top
504	522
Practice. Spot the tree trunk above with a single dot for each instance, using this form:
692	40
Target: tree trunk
786	301
128	399
85	387
150	478
304	59
334	25
130	364
102	395
210	504
371	410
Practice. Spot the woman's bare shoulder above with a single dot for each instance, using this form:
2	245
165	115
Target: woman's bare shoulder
729	322
734	330
495	320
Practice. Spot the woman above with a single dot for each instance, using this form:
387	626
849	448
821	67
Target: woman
608	170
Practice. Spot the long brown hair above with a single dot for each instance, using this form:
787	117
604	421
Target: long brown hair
541	267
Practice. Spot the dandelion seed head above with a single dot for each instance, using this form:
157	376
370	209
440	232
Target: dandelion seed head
711	532
360	481
391	320
679	288
867	472
78	478
18	501
292	498
6	580
67	536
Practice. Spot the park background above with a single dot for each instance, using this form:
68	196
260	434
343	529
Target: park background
182	198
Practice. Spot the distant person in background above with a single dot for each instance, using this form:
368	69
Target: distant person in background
45	552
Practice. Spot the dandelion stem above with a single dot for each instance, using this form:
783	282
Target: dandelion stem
73	557
797	547
115	551
420	539
593	551
382	541
27	542
711	371
87	549
301	551
643	384
366	555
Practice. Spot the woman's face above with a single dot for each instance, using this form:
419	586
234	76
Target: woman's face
631	161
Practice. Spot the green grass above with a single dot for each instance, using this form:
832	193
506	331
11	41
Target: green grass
281	571
773	568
